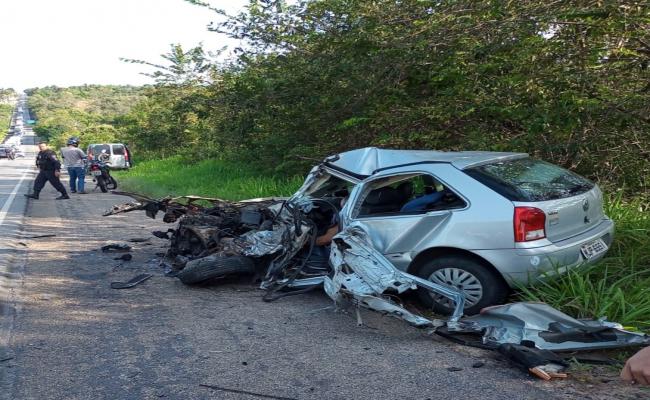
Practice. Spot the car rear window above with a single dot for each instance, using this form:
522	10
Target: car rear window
96	149
118	150
527	179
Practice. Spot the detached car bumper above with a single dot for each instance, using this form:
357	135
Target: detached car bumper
522	266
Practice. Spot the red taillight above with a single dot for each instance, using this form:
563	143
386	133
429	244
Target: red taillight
126	154
529	224
94	167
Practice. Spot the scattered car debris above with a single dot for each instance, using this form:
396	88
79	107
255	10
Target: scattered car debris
124	257
136	280
546	328
163	235
116	247
139	240
40	236
246	392
543	364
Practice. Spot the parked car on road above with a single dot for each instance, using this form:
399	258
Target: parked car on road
119	154
7	151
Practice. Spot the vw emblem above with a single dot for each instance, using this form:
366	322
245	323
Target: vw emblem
585	204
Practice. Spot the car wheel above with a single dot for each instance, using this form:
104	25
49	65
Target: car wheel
481	286
202	269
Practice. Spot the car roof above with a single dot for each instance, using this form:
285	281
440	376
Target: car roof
370	160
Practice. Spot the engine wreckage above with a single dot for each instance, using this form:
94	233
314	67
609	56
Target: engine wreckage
276	240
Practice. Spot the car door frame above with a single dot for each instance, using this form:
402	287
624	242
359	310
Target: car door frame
395	251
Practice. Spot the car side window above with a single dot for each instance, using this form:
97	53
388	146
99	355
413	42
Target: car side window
118	150
406	195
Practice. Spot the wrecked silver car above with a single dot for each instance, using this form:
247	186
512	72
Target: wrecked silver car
477	222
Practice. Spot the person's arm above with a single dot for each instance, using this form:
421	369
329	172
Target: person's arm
326	238
637	368
57	164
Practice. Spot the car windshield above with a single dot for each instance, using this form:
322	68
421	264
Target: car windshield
528	179
327	185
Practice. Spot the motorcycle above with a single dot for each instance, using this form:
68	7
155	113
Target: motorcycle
100	170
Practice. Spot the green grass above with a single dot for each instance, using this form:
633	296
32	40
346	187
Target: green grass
5	118
618	287
209	178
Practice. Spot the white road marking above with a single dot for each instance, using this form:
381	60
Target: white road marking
10	199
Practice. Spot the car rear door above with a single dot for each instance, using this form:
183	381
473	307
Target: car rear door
118	159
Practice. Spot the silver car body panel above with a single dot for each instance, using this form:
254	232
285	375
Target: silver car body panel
521	266
363	276
548	329
568	217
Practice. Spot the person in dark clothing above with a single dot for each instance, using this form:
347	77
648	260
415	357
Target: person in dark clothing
49	171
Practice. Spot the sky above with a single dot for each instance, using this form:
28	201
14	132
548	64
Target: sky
75	42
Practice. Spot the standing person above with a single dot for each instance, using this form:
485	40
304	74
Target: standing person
49	170
74	159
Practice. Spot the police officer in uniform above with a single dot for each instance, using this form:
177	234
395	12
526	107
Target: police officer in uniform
49	170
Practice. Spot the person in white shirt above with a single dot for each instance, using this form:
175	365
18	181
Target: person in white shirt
75	160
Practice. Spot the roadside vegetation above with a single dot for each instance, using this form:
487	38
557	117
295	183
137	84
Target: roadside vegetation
566	82
90	112
208	178
5	117
7	97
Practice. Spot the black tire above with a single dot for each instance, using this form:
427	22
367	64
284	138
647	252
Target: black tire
102	184
112	183
468	271
202	269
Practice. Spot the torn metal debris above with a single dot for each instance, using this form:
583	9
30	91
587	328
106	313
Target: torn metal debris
136	280
543	364
546	328
364	276
116	247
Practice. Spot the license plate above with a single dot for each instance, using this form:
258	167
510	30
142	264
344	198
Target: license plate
594	248
96	173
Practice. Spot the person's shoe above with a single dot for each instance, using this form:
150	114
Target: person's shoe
32	196
73	191
63	197
82	192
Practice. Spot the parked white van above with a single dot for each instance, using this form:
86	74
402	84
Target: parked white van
119	154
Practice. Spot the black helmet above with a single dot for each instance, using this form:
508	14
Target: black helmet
73	141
